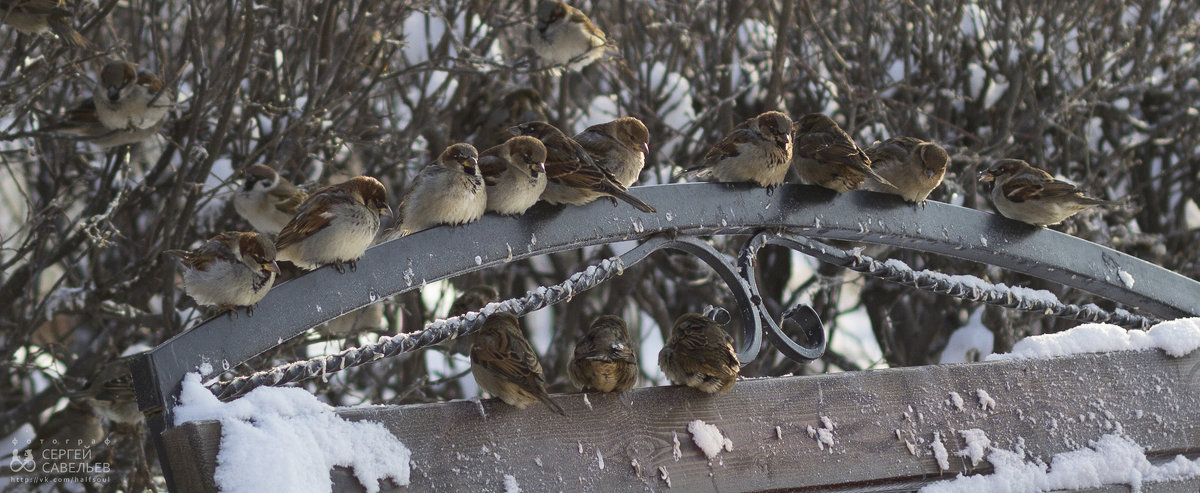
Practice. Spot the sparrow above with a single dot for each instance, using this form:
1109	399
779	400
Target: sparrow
564	36
267	200
1033	196
82	121
604	359
505	365
574	178
699	354
450	191
757	150
129	99
515	174
230	270
110	393
471	300
619	147
335	225
38	17
915	167
518	106
825	155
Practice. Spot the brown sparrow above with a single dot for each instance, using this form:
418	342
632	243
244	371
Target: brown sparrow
825	155
267	200
565	36
450	191
230	270
518	106
83	122
699	354
38	17
619	146
335	225
604	358
914	166
128	99
505	365
1033	196
471	300
110	393
757	151
574	177
515	173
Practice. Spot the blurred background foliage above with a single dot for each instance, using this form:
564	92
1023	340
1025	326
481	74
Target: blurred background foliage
1101	93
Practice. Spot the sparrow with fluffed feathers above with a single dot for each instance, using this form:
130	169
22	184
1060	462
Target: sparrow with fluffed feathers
825	155
450	191
83	122
604	359
335	225
700	354
130	99
110	393
757	151
471	300
515	174
39	17
505	365
518	106
1031	195
574	178
619	147
230	270
267	201
913	166
564	36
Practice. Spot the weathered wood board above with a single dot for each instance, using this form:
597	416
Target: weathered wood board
627	442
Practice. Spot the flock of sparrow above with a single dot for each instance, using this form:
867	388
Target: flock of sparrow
335	225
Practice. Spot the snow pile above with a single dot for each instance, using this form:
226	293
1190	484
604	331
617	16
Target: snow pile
284	439
709	438
1111	460
1176	337
824	434
977	445
939	451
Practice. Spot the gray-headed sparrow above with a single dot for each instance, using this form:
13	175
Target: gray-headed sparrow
450	191
1033	196
230	270
505	365
129	99
82	121
604	359
565	36
574	177
915	167
619	147
699	354
825	155
515	173
335	225
41	16
756	151
518	106
267	200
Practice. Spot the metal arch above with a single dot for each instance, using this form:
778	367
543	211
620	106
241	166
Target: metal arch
685	209
804	316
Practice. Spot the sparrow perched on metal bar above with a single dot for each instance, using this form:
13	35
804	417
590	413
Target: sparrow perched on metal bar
700	354
230	270
450	191
756	151
825	155
1033	196
564	36
129	99
505	365
915	167
574	177
604	359
335	225
515	173
267	200
619	147
39	17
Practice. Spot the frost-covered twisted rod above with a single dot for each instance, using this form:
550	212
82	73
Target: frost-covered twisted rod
433	333
968	287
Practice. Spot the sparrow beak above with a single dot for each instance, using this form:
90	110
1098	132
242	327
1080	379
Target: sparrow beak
271	267
470	162
114	93
515	130
542	166
646	149
386	210
986	175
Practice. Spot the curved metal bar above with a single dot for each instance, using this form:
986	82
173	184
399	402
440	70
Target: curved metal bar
807	320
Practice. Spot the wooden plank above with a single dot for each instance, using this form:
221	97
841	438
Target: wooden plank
1046	406
192	450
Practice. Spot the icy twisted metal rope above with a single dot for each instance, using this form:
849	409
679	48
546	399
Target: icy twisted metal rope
433	333
963	287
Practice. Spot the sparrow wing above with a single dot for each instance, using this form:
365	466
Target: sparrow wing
492	165
313	216
287	197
